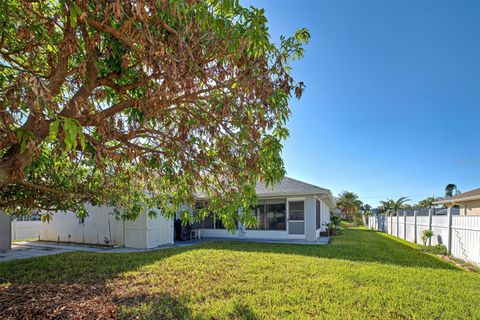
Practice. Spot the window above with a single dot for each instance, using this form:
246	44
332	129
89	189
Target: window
317	214
271	215
210	222
296	210
218	224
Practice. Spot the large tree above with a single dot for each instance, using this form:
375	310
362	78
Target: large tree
349	204
141	104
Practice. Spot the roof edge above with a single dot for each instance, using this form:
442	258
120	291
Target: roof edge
449	200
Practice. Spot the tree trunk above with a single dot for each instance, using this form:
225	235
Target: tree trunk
13	163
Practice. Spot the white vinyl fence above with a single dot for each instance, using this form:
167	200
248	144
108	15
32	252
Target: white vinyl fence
459	233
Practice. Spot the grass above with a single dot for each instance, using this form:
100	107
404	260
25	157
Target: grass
361	274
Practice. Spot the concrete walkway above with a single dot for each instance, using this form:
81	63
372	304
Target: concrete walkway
26	249
22	251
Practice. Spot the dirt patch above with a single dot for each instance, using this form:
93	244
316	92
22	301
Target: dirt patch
460	263
56	301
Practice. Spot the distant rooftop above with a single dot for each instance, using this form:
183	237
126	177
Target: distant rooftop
469	195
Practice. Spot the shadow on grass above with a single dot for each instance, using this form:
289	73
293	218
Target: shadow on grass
66	283
158	306
358	245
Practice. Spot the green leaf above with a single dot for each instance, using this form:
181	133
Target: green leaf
54	129
82	141
73	18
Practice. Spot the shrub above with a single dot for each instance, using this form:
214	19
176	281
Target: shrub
426	234
357	219
333	226
438	249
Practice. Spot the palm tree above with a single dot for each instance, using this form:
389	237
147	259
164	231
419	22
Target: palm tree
426	203
451	190
398	204
385	206
367	209
349	204
392	206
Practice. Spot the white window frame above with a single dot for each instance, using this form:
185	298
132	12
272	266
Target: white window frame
296	199
286	215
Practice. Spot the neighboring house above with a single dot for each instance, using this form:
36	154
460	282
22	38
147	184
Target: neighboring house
468	202
337	213
291	209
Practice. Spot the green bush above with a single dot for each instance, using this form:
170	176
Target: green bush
438	249
357	219
426	234
333	227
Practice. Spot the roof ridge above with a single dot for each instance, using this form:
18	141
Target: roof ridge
312	185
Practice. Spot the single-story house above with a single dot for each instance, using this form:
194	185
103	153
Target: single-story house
292	209
468	202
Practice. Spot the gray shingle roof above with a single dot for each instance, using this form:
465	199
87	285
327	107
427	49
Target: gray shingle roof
288	186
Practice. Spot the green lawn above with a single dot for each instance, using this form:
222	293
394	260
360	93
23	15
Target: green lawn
362	274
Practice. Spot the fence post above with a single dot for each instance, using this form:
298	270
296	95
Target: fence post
415	213
430	211
449	234
14	229
398	224
391	223
405	224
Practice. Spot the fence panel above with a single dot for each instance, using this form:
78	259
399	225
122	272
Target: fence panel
410	228
466	238
464	232
401	227
440	230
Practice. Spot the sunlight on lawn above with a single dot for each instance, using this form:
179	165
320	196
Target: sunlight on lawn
361	274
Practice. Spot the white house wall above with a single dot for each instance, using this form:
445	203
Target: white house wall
135	232
5	232
66	227
324	217
140	233
26	229
159	231
266	234
220	233
310	219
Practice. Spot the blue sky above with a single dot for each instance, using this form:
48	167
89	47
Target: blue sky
392	105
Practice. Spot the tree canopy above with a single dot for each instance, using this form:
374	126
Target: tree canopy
427	203
451	190
349	204
141	105
392	206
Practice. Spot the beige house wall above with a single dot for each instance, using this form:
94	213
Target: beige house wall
470	208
